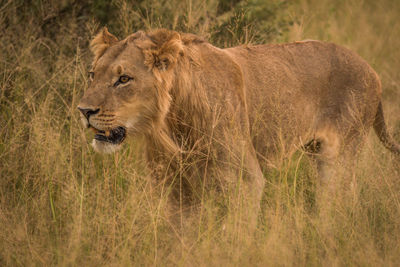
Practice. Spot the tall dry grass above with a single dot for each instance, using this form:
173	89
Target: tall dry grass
62	204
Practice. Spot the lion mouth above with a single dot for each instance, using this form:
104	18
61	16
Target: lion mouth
114	136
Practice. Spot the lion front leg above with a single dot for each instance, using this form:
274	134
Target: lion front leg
246	189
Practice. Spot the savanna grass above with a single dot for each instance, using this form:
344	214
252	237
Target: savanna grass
63	204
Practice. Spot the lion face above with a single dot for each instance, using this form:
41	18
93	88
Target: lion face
127	94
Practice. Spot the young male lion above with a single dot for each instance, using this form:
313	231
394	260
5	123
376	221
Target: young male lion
218	117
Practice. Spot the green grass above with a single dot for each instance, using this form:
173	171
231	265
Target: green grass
63	204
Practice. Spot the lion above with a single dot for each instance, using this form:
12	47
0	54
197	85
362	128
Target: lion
223	116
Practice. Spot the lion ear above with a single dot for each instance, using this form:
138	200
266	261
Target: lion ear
101	42
167	49
139	35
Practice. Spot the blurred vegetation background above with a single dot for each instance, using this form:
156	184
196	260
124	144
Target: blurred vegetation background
62	204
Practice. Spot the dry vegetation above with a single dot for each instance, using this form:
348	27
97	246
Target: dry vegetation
62	204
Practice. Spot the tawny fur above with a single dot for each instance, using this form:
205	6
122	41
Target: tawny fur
215	114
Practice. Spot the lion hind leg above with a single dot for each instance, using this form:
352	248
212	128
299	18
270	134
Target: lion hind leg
324	148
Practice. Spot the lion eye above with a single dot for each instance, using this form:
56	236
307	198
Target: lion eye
123	79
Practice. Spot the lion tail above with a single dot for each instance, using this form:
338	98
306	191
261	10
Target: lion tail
382	132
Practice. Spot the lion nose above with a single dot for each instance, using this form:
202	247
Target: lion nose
87	112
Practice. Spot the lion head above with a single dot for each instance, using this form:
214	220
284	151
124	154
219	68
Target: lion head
129	86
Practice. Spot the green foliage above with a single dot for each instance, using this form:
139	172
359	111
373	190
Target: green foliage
252	21
224	23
